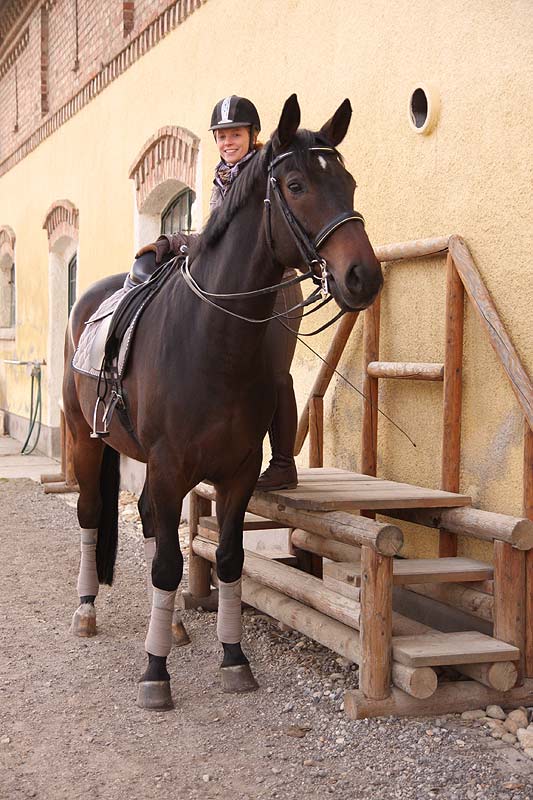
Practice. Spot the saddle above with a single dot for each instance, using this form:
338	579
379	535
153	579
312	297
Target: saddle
105	345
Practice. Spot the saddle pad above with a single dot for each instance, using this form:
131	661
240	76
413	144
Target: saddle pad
108	333
89	354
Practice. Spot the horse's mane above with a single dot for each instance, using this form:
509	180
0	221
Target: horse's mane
243	187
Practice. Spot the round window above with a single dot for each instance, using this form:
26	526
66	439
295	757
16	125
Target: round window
423	108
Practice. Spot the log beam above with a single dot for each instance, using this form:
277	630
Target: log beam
338	525
325	548
406	370
449	698
486	525
459	596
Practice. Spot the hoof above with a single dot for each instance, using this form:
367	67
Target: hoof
84	621
179	633
238	679
154	695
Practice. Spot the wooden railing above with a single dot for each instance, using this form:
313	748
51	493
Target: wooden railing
461	275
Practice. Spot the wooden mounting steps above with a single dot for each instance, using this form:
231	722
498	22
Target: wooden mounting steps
417	570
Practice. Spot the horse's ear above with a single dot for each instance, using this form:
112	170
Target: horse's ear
288	124
335	128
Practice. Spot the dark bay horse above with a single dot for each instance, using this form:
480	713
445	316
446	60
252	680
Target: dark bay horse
198	386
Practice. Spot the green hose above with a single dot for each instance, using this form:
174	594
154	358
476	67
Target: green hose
35	411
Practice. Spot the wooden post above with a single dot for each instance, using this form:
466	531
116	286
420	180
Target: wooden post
199	568
376	624
451	423
316	431
316	459
528	512
370	390
509	598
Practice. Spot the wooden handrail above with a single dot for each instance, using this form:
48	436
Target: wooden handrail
490	320
478	296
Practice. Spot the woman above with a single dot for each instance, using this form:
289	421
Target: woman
235	124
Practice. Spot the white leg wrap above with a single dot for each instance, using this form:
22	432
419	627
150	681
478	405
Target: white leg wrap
229	625
159	638
88	577
149	553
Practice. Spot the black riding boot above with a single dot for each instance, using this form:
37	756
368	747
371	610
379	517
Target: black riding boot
281	472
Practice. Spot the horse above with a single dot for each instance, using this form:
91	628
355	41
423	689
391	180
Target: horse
198	386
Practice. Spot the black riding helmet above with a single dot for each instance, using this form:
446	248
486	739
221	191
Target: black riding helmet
234	112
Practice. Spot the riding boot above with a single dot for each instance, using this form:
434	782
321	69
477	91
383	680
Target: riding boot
281	472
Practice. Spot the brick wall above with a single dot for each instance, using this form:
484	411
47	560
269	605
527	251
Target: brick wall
64	54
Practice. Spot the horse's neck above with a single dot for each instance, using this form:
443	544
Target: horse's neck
241	261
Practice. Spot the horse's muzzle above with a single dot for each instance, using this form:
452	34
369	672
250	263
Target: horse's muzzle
360	287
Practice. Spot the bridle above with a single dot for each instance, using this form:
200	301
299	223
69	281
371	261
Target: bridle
308	248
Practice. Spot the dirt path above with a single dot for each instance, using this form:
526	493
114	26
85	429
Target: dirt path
69	726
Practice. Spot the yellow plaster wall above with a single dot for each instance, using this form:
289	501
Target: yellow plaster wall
471	176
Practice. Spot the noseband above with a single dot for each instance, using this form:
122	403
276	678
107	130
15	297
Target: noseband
307	247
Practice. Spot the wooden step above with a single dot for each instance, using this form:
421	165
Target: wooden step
252	522
465	647
417	570
406	370
323	489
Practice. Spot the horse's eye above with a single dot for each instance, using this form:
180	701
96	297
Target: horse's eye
295	187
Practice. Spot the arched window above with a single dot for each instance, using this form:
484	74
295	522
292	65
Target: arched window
8	300
72	279
13	310
177	215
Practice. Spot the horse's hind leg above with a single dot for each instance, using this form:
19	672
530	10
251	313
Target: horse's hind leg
164	494
88	455
232	500
179	633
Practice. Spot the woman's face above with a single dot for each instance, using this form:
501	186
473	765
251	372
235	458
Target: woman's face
233	143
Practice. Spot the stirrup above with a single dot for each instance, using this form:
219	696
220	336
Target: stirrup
96	434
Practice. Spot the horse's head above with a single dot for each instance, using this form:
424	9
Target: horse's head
312	208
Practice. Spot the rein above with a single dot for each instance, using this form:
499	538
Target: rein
307	247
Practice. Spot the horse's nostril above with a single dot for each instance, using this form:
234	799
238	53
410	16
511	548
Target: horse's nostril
353	281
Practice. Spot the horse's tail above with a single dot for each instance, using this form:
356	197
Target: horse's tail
106	547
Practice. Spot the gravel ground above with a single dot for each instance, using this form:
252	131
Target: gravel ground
69	726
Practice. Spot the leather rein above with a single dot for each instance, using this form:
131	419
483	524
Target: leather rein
308	248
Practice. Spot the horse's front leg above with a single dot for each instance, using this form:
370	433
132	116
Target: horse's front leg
179	632
165	496
232	500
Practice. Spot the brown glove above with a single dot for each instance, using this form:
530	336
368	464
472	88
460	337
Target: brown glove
164	245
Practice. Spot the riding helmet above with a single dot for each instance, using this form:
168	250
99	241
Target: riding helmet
234	112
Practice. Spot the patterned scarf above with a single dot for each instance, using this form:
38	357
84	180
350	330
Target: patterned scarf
225	174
